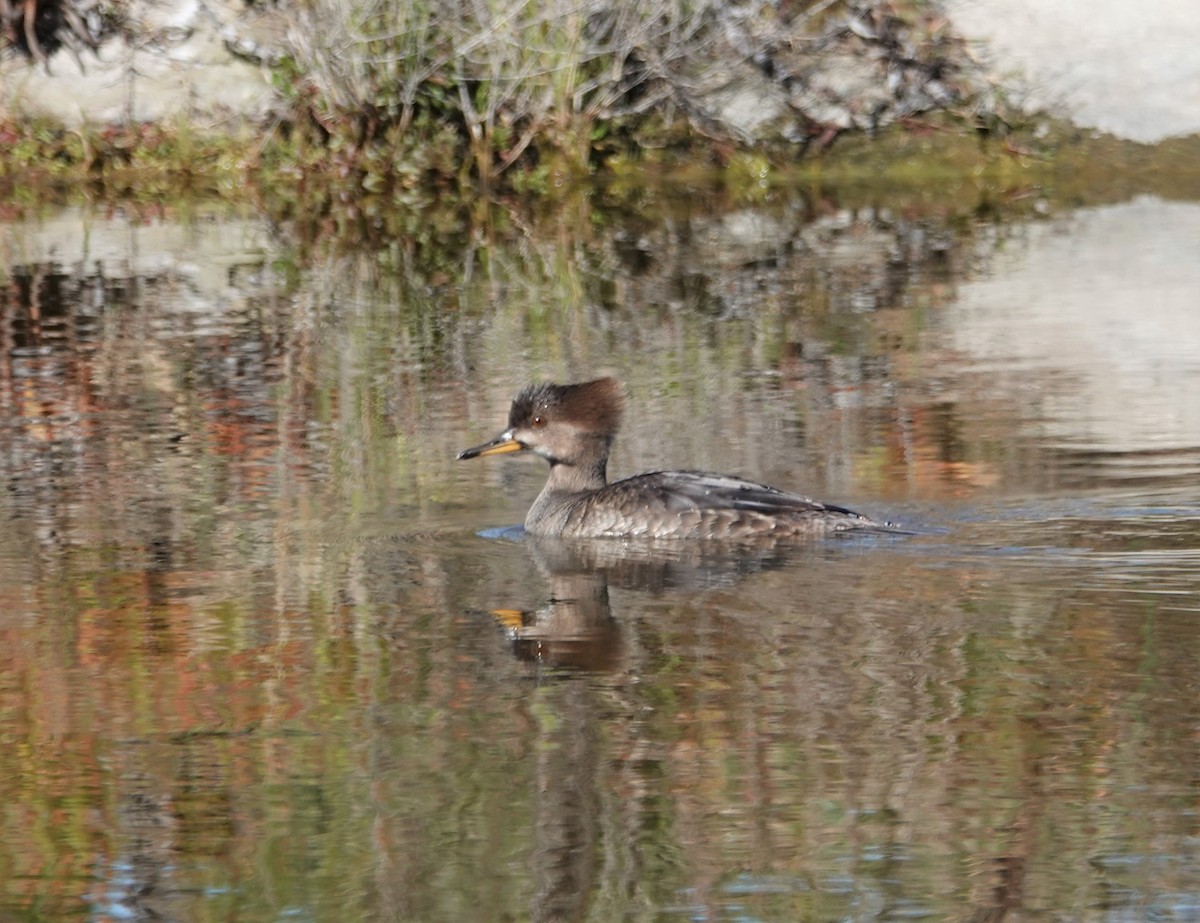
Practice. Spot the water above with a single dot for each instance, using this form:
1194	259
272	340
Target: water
269	652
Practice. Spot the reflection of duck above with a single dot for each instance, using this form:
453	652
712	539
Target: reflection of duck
573	426
659	565
575	630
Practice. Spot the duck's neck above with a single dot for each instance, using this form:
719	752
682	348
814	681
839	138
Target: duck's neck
587	474
568	483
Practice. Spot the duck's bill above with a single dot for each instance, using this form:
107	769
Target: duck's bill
501	445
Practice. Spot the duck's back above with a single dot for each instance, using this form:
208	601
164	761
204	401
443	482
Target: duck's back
695	504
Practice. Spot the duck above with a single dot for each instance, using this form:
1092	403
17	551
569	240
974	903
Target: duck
573	427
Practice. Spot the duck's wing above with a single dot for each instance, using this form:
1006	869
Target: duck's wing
677	503
703	491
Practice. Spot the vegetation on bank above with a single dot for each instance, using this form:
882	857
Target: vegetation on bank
43	162
412	101
395	95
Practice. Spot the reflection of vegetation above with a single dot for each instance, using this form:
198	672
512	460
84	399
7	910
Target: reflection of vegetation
244	666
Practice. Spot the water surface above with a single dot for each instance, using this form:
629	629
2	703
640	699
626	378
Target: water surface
268	651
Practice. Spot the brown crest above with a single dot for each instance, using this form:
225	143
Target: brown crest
592	406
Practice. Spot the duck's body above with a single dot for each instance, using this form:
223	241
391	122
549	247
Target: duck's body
573	426
683	504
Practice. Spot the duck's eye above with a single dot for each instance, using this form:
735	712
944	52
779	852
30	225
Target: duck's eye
539	421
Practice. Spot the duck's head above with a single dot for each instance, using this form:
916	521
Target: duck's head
565	424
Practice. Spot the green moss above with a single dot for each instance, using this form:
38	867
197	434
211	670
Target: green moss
296	168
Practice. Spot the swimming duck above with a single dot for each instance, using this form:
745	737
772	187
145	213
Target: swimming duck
573	428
